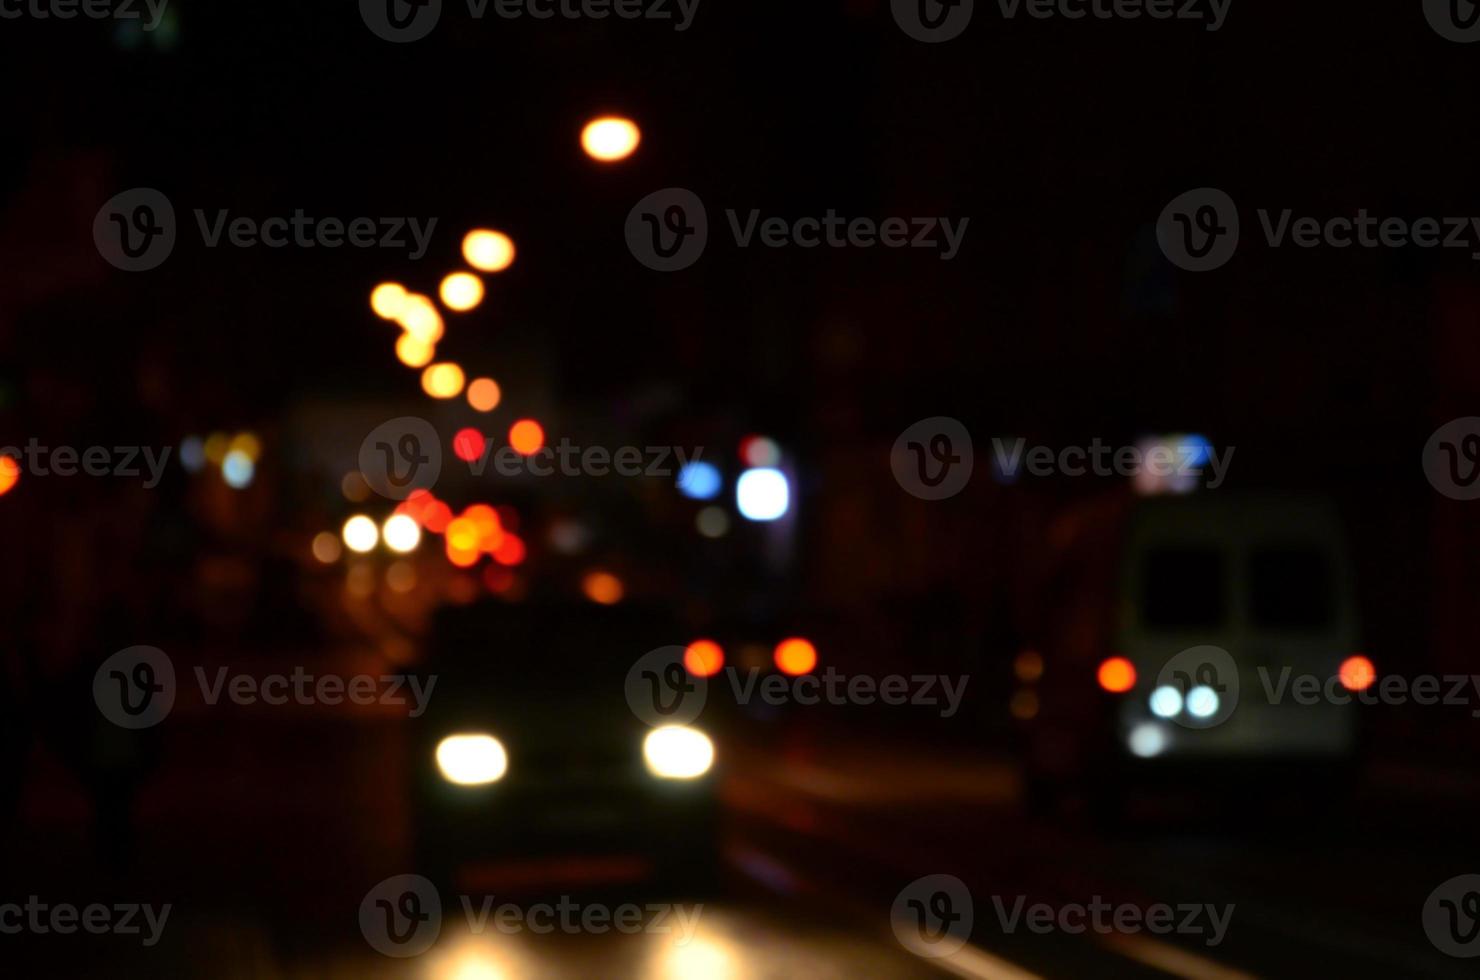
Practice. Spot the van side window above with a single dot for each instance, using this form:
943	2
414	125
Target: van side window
1291	588
1184	588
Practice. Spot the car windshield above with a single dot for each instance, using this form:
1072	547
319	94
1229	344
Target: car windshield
1184	588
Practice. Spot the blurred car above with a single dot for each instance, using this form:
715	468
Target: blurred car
531	770
1176	627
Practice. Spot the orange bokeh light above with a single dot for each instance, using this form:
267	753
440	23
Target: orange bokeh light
526	436
486	525
510	550
703	658
461	557
484	394
462	535
1357	673
795	656
602	588
1117	675
10	474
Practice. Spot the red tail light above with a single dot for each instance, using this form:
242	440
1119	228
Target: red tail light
1357	673
1117	675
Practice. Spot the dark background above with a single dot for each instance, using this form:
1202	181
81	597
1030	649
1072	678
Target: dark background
1059	321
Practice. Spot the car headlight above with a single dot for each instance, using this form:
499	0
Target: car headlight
678	752
472	760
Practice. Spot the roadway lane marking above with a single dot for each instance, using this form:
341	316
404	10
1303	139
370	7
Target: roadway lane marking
978	964
1170	959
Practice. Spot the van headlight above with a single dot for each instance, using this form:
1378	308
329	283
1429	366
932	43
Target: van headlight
677	752
472	760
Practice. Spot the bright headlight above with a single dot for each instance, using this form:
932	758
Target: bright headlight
472	760
678	752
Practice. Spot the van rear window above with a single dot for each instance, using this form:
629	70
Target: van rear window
1184	588
1291	589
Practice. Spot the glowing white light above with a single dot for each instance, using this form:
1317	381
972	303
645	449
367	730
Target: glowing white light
1147	739
401	533
762	494
237	469
1166	702
472	760
360	534
678	752
1202	702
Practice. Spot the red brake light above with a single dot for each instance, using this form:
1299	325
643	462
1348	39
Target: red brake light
1117	675
1357	673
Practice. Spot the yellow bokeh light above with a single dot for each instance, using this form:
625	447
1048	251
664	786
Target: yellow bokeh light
488	251
218	444
443	380
484	394
420	319
414	353
247	444
610	138
461	291
388	299
462	534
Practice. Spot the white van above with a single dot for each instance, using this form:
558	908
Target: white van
1166	622
1225	601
